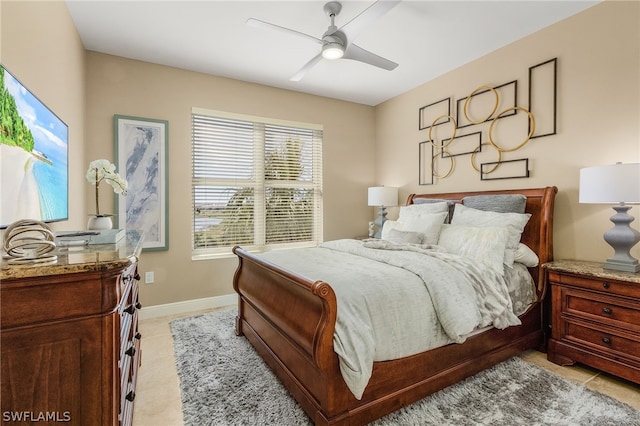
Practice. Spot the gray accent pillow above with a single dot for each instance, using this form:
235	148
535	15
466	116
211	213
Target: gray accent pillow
500	203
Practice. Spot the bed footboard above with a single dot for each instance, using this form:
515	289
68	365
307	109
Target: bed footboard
290	320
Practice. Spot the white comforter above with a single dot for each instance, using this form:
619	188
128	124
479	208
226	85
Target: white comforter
399	300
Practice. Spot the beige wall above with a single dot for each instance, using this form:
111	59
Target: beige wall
598	115
598	123
121	86
41	47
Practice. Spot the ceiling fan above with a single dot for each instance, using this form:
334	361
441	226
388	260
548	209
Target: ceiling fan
337	42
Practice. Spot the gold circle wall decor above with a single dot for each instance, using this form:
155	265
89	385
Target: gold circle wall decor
495	106
455	130
523	143
433	166
473	158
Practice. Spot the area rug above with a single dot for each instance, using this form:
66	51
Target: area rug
223	381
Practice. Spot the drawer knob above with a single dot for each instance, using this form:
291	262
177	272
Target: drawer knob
130	396
130	309
138	336
138	305
131	351
137	277
606	340
606	284
607	311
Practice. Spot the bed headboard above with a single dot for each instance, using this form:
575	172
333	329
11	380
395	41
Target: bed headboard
538	234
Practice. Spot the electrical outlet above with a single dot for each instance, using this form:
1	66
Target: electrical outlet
148	277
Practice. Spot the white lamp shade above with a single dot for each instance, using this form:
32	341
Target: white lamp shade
612	184
383	196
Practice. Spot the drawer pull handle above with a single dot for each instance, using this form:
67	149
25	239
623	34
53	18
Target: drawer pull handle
137	277
130	309
138	305
138	336
606	284
607	311
130	396
606	340
131	351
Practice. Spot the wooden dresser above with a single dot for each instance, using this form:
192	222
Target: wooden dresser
70	346
595	317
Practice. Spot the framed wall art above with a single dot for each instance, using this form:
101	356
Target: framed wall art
141	146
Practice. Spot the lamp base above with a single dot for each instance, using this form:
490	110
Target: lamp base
615	265
380	220
622	238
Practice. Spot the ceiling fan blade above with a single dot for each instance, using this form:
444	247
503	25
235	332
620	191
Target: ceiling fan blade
266	25
357	53
352	28
298	76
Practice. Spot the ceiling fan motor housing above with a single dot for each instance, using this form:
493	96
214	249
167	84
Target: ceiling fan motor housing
332	8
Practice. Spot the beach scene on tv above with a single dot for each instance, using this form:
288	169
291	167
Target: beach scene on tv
33	156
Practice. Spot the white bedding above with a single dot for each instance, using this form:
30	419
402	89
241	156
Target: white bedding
410	299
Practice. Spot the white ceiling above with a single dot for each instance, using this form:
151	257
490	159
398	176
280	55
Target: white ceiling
427	38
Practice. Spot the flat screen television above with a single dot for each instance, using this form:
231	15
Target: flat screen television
34	156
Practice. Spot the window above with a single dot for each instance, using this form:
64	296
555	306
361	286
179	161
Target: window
256	182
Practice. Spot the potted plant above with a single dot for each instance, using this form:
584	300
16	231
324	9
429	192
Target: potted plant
104	170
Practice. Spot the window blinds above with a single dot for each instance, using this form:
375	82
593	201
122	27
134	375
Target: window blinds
256	182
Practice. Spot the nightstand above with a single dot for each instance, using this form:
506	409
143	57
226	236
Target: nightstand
595	317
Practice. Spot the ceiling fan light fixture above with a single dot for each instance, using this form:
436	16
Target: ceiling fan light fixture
332	51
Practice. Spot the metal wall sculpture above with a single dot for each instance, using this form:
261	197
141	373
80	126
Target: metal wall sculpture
474	127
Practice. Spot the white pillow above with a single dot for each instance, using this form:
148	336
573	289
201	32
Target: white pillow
514	222
428	224
526	256
414	210
404	237
387	226
485	245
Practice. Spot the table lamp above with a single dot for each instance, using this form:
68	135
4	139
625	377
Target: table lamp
617	184
382	197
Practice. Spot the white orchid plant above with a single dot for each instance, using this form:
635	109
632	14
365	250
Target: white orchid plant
104	170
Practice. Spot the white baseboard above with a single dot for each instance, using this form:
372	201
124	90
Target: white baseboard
187	306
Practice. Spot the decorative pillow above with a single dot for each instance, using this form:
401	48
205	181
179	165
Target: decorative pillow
413	210
428	224
514	222
485	245
526	256
450	204
500	203
387	226
404	237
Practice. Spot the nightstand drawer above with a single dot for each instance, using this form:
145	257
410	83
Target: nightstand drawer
603	340
607	286
602	309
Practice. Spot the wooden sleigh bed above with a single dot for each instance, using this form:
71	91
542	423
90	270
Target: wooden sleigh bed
290	321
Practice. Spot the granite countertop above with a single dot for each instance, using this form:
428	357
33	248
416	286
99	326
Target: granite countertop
593	269
95	257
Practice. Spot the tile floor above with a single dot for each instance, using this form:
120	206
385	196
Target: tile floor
158	390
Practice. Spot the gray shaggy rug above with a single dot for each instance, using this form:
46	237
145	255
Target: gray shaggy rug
223	381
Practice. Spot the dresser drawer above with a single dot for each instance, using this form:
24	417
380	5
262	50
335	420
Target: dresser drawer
626	347
602	309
